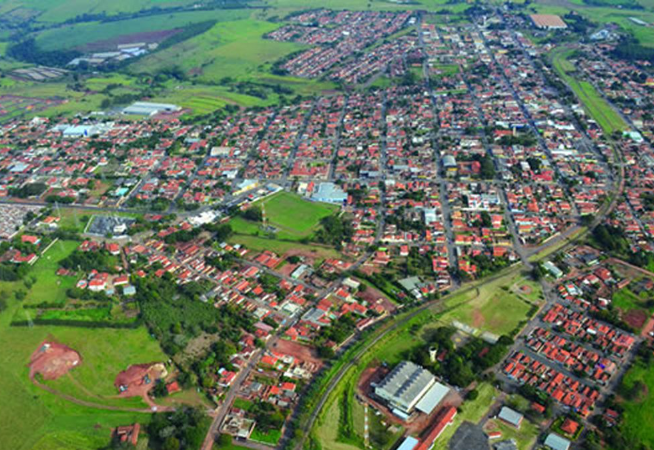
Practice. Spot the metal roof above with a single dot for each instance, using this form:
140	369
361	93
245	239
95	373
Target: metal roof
432	398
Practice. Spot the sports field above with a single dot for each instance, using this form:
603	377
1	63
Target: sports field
292	217
295	215
498	307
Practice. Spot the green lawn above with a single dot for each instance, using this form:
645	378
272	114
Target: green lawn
525	437
639	414
473	411
260	244
627	300
270	438
31	418
294	219
49	287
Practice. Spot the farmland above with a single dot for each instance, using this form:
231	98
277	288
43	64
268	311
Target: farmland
83	34
230	49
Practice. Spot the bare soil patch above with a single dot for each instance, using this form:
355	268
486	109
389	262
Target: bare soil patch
139	379
53	360
525	289
635	318
298	351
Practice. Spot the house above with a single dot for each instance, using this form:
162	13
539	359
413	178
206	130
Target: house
128	434
26	238
570	427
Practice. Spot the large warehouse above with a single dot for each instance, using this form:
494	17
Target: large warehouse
410	387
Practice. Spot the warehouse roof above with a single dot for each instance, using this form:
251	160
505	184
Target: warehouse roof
432	398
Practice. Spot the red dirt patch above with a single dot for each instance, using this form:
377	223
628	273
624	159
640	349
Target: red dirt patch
147	37
635	318
525	289
478	319
53	360
298	351
139	379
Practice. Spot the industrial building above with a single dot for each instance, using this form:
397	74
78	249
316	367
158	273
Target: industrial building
149	109
410	387
329	193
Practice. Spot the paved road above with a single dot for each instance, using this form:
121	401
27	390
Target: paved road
223	409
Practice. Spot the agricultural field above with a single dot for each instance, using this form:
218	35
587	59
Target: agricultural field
590	98
234	49
85	34
55	11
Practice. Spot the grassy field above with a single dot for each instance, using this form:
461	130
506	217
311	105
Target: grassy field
627	300
639	414
593	102
230	49
498	307
256	243
76	35
525	437
293	218
294	215
49	287
35	419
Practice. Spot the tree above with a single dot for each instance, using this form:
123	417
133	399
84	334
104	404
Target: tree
224	440
253	213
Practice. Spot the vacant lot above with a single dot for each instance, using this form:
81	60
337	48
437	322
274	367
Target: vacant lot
639	413
593	102
32	418
49	287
